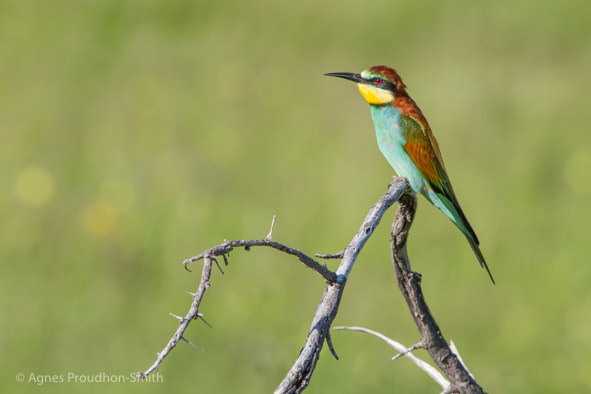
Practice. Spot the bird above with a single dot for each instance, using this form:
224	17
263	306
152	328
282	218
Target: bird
408	144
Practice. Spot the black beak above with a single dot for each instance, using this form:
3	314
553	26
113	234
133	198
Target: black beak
350	76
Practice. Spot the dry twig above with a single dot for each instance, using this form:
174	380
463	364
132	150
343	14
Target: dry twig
299	375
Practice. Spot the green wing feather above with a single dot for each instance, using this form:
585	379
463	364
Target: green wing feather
423	149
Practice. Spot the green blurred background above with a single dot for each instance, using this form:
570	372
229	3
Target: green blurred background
136	134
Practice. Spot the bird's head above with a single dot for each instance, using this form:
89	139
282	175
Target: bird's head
378	84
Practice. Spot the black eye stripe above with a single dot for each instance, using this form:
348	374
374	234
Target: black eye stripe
383	84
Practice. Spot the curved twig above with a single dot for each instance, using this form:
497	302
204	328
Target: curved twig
228	246
406	352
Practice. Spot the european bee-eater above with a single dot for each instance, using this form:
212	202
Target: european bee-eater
405	139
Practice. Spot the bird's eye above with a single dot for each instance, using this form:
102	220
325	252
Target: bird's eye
378	81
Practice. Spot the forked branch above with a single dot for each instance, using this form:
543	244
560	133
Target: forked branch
299	375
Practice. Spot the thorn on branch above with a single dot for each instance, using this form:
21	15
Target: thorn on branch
192	344
200	316
179	318
268	237
218	264
186	262
329	343
226	262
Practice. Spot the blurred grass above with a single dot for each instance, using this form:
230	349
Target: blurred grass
136	134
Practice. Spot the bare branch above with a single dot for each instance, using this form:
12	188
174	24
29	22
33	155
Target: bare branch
410	285
184	322
299	375
208	257
338	255
409	350
228	246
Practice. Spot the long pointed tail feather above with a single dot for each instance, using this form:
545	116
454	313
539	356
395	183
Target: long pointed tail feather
451	208
480	257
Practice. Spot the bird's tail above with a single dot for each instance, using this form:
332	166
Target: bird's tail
452	210
479	255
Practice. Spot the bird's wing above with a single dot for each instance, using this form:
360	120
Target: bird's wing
422	148
424	151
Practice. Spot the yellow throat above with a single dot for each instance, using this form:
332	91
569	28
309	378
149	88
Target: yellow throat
375	95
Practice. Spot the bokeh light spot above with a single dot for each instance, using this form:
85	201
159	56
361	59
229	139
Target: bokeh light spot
99	218
35	186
